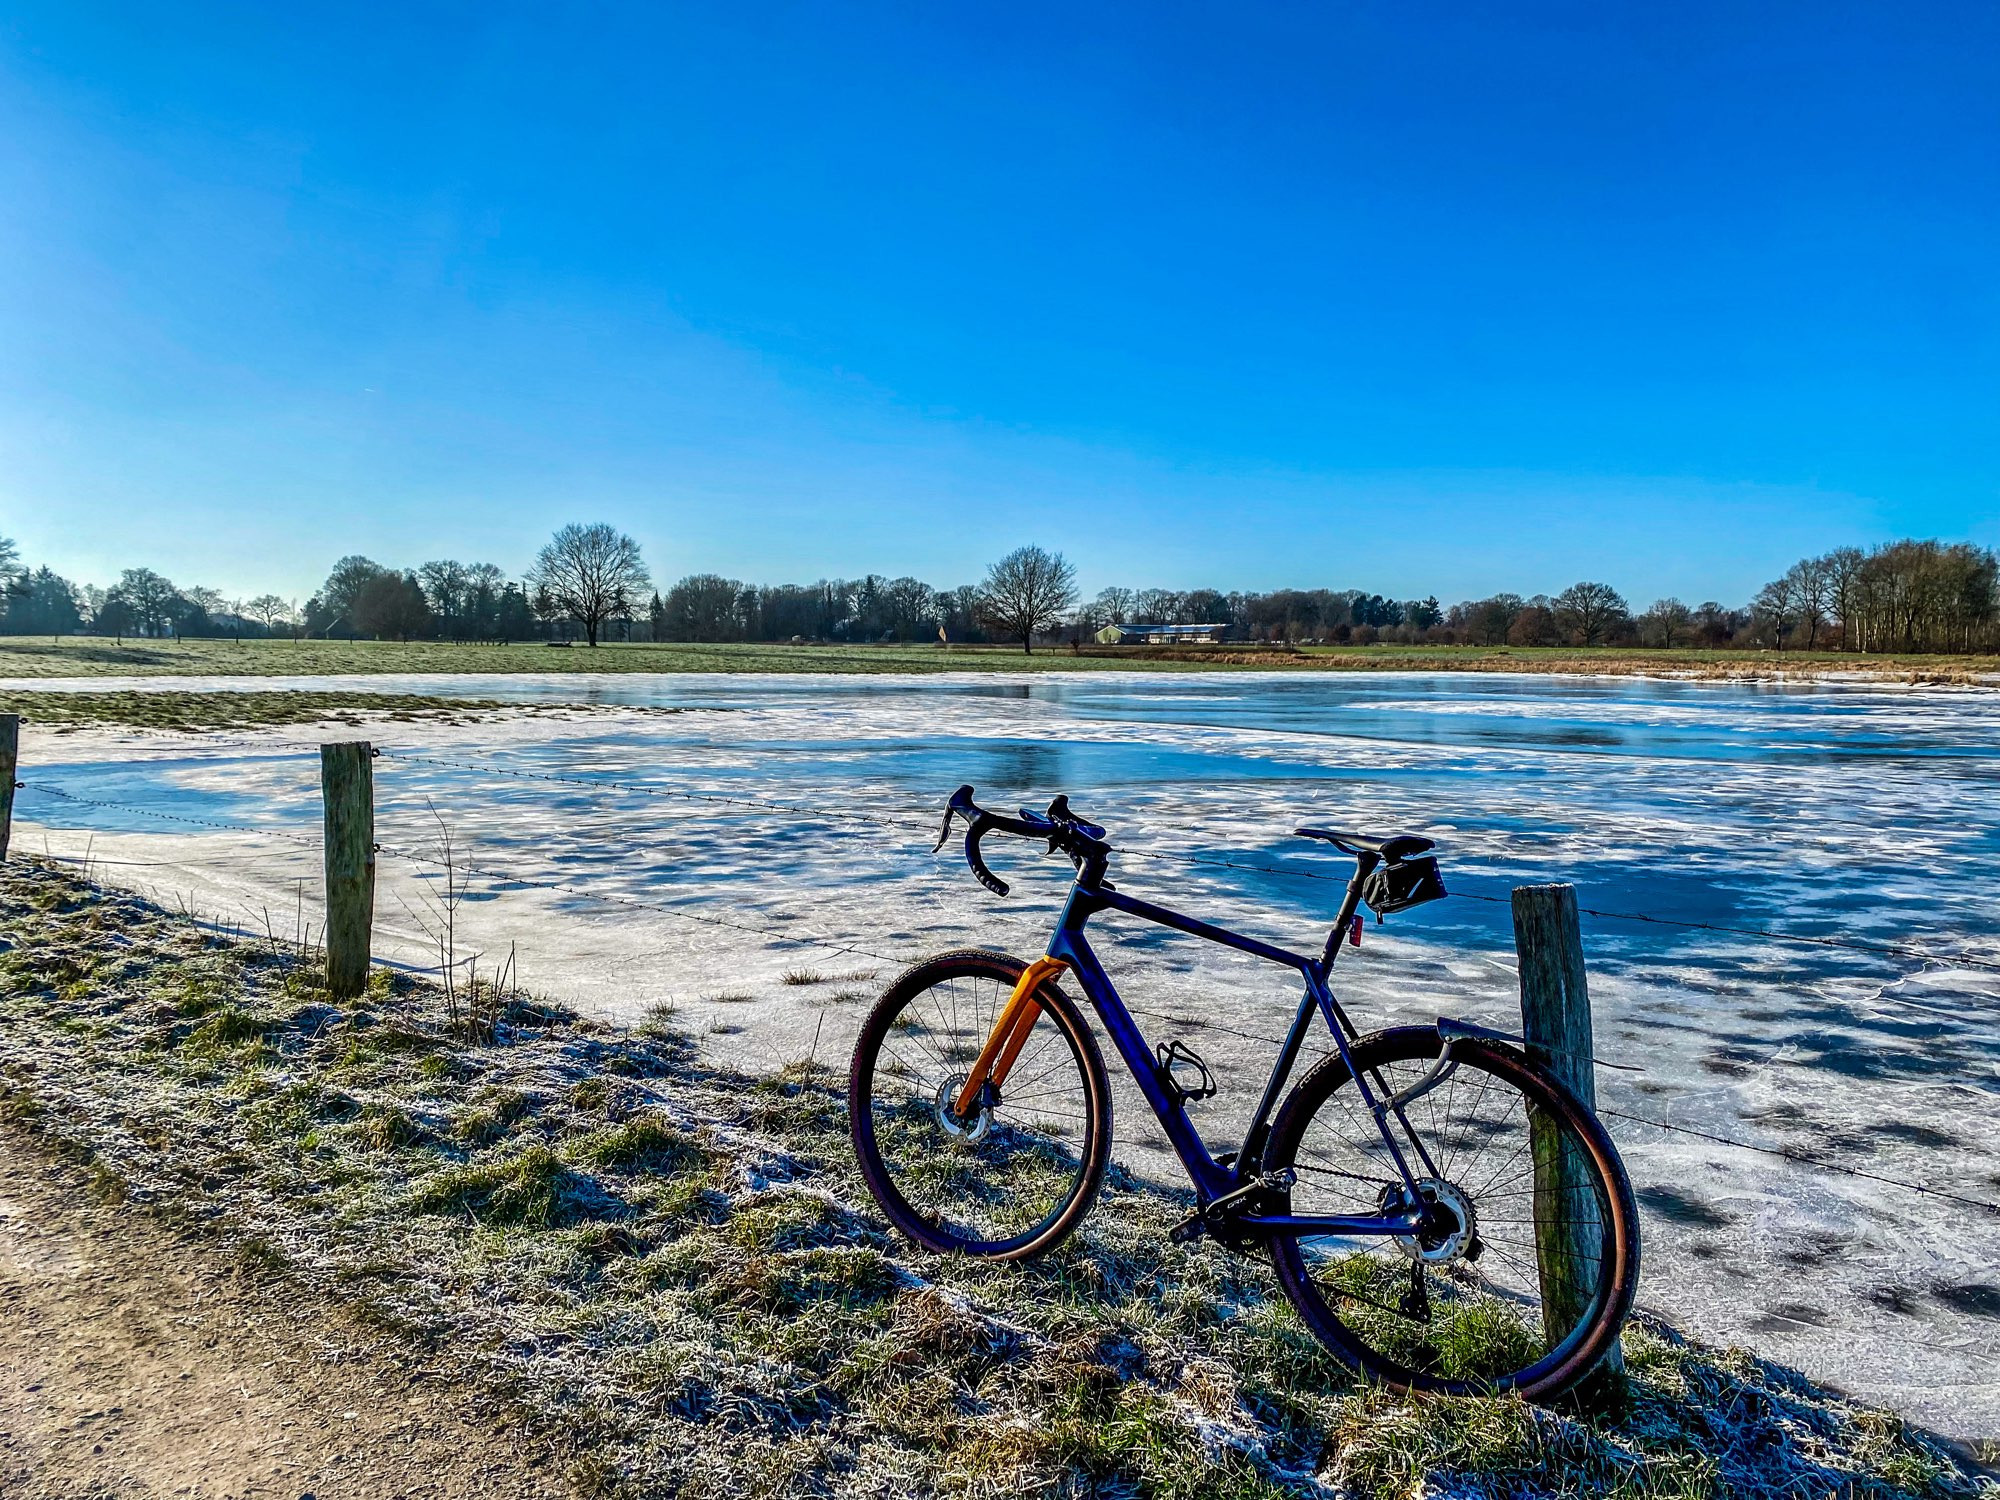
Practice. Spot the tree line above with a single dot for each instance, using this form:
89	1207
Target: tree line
590	582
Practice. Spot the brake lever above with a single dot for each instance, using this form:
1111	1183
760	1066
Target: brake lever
1060	814
961	803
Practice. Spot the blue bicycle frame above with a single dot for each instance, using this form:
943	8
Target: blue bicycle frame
1217	1184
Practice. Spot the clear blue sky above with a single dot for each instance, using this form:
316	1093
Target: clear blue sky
1418	298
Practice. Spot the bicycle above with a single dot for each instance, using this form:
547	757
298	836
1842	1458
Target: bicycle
1443	1214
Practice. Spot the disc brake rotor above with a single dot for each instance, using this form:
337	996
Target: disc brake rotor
954	1124
1452	1225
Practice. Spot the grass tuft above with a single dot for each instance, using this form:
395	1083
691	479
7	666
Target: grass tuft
533	1189
646	1143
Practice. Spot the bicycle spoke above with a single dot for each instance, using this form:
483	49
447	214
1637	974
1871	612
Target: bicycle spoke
1462	1299
1007	1170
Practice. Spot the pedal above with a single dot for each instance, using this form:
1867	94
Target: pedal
1182	1072
1193	1227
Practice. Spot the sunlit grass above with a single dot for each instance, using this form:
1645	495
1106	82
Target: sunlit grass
24	657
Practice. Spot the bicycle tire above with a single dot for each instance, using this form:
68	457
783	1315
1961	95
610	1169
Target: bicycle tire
869	1106
1567	1360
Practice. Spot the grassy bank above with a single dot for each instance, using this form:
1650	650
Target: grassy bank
192	713
91	657
674	1271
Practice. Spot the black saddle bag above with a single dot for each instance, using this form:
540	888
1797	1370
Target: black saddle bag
1398	885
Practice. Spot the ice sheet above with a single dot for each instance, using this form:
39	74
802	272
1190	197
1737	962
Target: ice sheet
1855	812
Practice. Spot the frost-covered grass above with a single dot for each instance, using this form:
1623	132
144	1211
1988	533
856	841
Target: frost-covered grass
25	657
193	713
674	1270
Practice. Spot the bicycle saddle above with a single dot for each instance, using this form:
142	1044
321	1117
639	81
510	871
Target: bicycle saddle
1396	846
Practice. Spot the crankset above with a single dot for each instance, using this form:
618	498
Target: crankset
1222	1218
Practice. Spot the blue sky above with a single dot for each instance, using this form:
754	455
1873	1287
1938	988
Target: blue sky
1443	298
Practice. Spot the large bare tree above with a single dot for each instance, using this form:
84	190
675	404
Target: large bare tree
591	573
270	611
1026	591
343	586
1113	606
1589	611
152	599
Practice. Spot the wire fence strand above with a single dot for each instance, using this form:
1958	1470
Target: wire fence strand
1807	1158
924	822
153	812
827	943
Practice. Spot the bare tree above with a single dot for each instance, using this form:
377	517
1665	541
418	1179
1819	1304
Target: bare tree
344	584
1843	573
591	573
1026	591
1812	587
1113	606
269	611
1777	605
447	585
152	599
1590	610
1668	622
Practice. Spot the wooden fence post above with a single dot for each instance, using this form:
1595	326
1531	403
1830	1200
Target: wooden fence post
347	789
1555	1020
10	752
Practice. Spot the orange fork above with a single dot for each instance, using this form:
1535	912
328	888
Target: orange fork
1010	1033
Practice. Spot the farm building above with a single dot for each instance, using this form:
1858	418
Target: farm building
1162	635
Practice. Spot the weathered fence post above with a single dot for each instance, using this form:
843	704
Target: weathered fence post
347	788
10	752
1555	1020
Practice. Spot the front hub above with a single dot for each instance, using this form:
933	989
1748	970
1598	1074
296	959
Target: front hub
960	1127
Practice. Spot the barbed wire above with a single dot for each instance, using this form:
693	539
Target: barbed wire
824	943
286	750
815	941
1917	954
1895	950
1892	950
1804	1157
153	812
597	783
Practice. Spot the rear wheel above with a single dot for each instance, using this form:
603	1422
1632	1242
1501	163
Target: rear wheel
1015	1177
1464	1304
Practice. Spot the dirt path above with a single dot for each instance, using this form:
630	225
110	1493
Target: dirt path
132	1364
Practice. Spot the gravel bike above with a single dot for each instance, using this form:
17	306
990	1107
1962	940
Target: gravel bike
1441	1211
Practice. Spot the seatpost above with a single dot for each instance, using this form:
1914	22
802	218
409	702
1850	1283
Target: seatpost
1364	861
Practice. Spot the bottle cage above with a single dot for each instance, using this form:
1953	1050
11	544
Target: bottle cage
1182	1072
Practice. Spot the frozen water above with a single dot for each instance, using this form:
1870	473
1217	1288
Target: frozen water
1859	813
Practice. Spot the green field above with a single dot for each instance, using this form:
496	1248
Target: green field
25	657
201	713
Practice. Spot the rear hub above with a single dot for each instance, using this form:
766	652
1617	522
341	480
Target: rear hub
1450	1228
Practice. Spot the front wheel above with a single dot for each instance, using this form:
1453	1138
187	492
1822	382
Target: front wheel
1018	1174
1528	1259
